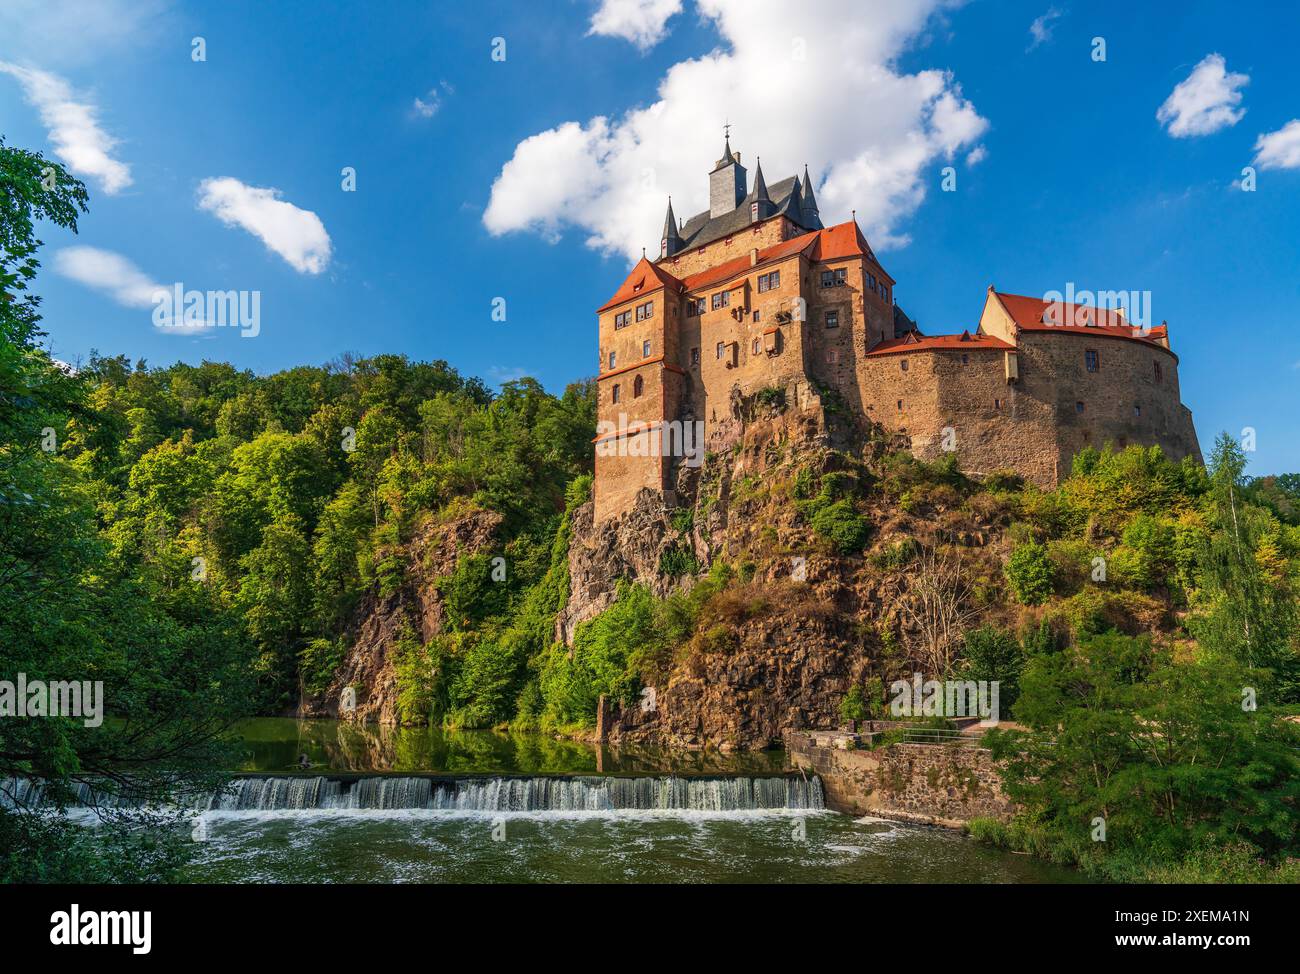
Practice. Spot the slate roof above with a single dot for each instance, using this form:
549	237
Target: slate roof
785	195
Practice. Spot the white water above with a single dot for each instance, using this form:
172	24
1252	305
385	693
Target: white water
586	793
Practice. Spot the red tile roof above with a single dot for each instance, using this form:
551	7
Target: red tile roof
1035	314
913	342
645	278
831	243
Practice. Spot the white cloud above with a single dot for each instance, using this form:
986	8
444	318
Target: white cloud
976	155
826	93
428	106
1041	29
108	272
643	22
74	129
295	234
1205	101
1280	149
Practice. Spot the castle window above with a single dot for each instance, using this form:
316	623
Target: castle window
902	364
638	387
611	360
833	356
900	405
841	276
758	315
695	356
721	347
965	359
614	393
832	319
644	311
769	282
622	320
997	403
696	306
1078	407
721	300
1137	410
645	349
756	346
1091	360
828	278
1160	375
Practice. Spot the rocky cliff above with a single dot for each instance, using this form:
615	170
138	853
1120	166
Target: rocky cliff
778	650
415	607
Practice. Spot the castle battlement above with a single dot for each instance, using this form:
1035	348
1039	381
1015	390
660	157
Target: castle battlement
756	294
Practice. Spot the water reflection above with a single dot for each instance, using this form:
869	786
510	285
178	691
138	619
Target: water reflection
279	743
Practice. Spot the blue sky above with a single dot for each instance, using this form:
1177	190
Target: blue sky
1064	172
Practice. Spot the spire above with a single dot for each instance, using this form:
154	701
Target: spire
811	219
671	241
760	203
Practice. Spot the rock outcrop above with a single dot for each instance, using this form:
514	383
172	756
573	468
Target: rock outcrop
381	620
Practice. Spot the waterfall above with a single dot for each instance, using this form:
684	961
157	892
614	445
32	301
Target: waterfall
589	793
568	794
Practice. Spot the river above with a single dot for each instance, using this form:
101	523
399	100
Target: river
424	805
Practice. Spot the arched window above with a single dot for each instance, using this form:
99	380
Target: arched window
638	387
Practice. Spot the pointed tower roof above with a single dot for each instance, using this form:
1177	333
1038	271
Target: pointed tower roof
671	241
727	158
812	219
760	185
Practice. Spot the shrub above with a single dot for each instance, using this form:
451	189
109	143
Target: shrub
675	562
842	526
1029	572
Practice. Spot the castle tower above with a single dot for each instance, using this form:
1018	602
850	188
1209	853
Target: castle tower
726	183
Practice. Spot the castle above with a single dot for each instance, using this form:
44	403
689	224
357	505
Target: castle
756	297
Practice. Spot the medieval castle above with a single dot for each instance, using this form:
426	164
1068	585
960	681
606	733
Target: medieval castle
755	296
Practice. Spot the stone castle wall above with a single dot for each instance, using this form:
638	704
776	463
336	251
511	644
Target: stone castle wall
941	398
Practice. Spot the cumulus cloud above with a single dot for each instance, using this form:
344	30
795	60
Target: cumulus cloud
1205	101
643	22
826	92
1280	149
295	234
73	126
1040	31
108	272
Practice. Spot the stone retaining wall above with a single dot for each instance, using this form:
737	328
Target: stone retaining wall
939	784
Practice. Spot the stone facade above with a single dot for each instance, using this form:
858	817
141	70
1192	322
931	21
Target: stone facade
764	300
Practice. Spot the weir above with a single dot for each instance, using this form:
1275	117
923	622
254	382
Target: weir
523	794
480	793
